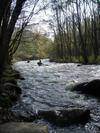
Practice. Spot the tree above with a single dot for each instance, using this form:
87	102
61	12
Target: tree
77	29
8	20
10	11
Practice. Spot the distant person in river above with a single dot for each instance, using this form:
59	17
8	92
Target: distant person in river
28	61
39	63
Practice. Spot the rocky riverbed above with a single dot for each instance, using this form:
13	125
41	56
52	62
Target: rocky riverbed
48	87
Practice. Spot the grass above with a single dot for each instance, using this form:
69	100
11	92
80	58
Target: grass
73	59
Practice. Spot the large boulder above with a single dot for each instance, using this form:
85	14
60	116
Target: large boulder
22	128
92	87
66	117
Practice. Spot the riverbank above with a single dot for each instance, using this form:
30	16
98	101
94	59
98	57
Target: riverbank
91	60
9	93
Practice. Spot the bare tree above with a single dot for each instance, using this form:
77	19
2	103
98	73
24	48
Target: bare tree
78	31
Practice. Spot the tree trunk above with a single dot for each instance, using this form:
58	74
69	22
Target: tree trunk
5	36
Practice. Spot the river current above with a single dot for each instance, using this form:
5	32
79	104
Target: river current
48	87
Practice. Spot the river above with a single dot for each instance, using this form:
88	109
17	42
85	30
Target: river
48	87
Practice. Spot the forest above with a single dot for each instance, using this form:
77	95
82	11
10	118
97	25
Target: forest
76	30
49	66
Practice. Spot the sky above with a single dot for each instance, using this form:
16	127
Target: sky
40	21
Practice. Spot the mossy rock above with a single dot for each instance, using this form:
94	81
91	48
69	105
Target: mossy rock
66	117
90	88
5	101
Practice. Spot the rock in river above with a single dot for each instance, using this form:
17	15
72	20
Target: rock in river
92	87
22	128
66	117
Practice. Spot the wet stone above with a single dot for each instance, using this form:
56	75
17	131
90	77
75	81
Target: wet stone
66	117
22	128
91	88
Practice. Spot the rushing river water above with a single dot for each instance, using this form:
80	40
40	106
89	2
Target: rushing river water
47	87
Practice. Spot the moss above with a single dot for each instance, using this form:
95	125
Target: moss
9	91
5	101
